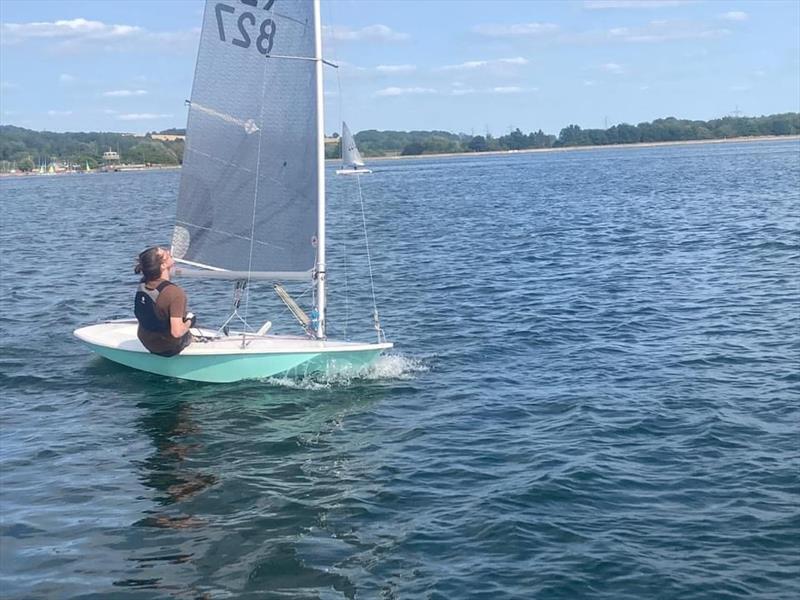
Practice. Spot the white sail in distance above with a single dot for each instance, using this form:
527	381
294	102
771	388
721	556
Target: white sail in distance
351	157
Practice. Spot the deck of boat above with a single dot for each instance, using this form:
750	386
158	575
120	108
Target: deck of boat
121	335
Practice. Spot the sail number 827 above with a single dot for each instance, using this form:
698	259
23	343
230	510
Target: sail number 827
245	24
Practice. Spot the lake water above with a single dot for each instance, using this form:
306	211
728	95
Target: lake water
595	392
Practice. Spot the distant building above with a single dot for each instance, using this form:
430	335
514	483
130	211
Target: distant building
166	137
110	155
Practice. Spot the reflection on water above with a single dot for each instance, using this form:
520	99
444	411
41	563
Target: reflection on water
168	471
243	491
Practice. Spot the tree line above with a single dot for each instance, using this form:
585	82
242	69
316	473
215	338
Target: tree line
383	143
409	143
28	148
675	130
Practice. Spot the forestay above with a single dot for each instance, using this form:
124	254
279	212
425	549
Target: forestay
351	157
249	183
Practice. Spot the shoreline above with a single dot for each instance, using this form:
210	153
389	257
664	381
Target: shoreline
121	169
374	159
755	138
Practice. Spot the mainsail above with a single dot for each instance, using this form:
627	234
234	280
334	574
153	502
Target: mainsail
249	182
351	157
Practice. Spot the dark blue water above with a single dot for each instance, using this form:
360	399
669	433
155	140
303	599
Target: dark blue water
594	393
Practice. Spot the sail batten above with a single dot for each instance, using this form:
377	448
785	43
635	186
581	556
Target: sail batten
248	193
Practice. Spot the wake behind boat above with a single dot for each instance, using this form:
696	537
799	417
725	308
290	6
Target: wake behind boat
352	163
251	205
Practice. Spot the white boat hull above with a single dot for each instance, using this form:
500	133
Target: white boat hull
224	360
353	171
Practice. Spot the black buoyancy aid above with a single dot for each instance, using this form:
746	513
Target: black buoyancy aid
145	308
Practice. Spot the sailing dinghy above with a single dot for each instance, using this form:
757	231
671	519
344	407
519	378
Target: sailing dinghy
251	205
352	163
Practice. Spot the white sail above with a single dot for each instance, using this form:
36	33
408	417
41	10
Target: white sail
351	157
249	183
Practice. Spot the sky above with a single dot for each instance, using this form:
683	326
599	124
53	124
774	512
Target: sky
471	66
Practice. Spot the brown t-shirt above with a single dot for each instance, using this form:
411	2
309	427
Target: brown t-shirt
171	302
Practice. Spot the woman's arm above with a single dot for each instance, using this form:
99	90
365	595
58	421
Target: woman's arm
178	327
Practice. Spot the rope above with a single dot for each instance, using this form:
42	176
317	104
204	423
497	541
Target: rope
255	199
346	291
376	319
334	52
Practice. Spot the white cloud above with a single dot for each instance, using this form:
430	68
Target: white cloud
141	116
516	30
59	113
589	83
395	68
67	78
609	4
124	93
478	64
509	89
665	31
73	28
109	111
7	86
372	33
613	68
80	33
398	91
734	15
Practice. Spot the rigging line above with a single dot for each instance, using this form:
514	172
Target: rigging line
369	260
341	102
341	157
255	198
344	237
308	58
346	287
305	291
331	41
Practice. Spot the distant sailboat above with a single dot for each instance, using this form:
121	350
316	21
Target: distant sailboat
352	163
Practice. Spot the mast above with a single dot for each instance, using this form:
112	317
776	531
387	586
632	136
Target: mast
320	175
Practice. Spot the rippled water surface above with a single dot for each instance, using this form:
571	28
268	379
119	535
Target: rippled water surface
594	392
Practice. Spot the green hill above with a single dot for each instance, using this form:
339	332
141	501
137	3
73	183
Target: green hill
28	148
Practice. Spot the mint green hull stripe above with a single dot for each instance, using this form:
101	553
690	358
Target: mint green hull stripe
216	368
